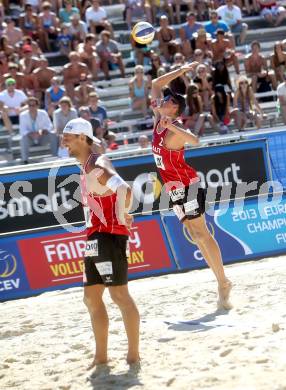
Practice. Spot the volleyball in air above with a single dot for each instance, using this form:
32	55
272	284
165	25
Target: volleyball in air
143	32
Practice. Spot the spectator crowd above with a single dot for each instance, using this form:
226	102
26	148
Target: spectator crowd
39	99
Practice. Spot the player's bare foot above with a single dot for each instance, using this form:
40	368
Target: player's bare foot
223	296
133	359
98	362
134	365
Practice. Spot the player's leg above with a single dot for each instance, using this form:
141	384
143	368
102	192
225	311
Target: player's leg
93	292
210	250
130	315
99	320
118	289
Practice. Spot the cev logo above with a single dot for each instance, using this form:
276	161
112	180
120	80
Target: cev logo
8	264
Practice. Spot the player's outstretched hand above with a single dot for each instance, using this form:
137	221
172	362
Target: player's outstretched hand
190	67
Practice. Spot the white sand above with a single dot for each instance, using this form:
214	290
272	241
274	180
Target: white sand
46	342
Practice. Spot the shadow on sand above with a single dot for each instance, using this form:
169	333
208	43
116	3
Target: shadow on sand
201	324
102	378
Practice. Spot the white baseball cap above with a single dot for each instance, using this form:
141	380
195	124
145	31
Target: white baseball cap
80	126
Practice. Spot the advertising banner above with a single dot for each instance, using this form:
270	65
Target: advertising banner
53	260
149	250
51	197
13	280
40	198
256	229
259	227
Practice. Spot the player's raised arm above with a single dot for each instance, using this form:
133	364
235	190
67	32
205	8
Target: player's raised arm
165	79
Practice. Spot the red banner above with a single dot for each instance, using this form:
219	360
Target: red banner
147	248
58	259
53	260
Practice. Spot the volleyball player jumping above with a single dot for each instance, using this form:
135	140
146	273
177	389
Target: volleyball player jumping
181	181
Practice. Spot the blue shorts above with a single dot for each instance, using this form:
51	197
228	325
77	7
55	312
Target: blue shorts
238	28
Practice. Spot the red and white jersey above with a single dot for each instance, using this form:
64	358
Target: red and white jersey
99	211
171	164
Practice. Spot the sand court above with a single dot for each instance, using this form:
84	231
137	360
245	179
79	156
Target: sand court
46	342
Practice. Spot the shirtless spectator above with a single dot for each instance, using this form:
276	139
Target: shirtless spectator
96	19
48	26
14	34
72	73
108	52
14	99
29	22
186	33
201	40
27	64
42	78
53	95
273	13
14	74
77	29
87	52
231	15
83	90
166	36
222	48
256	68
278	61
